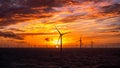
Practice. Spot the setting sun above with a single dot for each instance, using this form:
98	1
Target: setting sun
57	44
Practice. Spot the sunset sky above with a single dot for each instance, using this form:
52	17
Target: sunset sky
31	23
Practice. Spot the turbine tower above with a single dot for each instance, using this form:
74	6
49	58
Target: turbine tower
60	38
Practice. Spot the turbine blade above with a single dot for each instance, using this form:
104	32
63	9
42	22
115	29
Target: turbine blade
65	33
58	40
57	30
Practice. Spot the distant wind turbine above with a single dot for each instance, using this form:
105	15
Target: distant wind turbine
80	42
60	38
92	44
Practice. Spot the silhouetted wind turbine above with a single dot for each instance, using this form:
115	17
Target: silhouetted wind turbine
60	38
80	42
92	44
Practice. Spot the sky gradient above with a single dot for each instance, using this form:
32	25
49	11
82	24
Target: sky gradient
30	23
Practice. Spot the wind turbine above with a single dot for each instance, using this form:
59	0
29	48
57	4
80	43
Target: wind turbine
80	42
60	38
92	44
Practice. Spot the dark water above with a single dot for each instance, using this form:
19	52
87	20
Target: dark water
50	58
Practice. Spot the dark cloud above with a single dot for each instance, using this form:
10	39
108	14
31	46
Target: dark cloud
110	30
16	16
112	9
23	42
113	27
10	35
16	11
14	29
43	2
9	22
104	35
103	19
47	39
71	18
116	29
31	3
1	27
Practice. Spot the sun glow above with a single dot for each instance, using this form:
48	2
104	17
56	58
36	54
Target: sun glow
55	42
57	46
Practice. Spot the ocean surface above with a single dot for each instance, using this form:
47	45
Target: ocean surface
52	58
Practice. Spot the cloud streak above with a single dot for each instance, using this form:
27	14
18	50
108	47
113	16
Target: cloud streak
10	35
16	30
30	34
